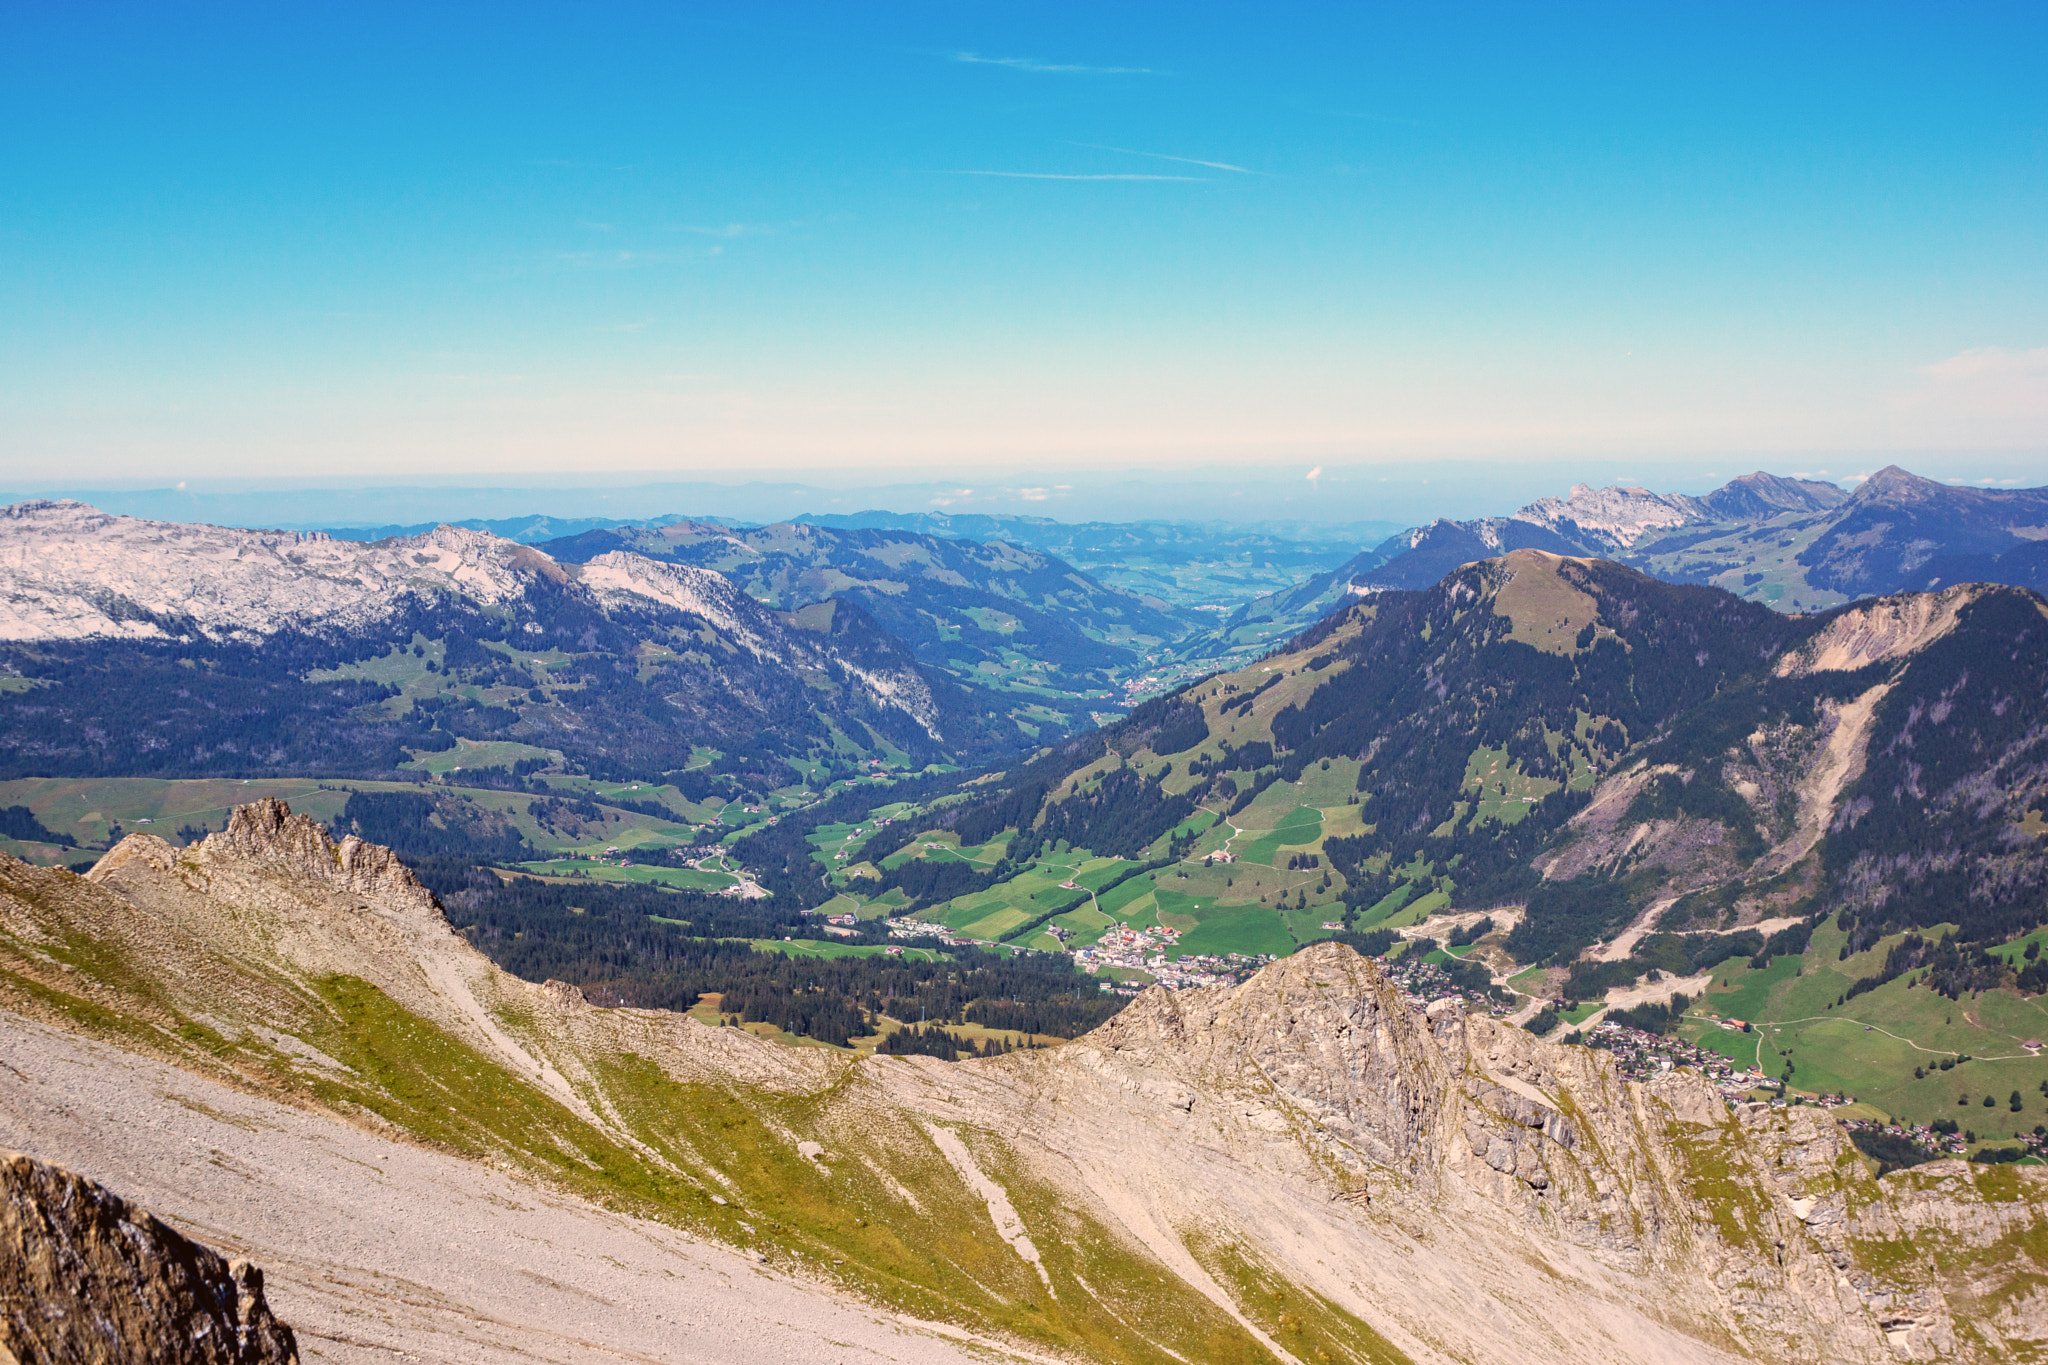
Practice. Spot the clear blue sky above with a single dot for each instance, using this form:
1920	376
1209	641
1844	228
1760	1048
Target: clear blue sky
393	240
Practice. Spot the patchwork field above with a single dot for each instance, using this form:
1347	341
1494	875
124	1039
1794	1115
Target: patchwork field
682	878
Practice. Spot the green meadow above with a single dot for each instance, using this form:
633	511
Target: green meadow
1870	1046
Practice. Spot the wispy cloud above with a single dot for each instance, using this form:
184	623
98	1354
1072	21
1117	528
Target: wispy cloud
1061	175
728	229
1050	68
628	260
1987	381
1162	156
1995	362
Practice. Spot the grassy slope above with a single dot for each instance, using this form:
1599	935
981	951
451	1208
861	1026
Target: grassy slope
678	1143
1792	1005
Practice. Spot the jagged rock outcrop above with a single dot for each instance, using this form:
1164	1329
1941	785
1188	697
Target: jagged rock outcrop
266	835
87	1277
1761	1229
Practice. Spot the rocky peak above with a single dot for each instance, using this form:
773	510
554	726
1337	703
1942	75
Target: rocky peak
267	836
1892	482
270	835
1612	518
1760	496
86	1276
1324	1028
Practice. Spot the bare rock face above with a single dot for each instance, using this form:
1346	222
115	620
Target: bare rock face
86	1276
267	834
267	837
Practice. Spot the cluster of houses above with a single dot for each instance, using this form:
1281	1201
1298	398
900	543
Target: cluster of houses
1145	950
1641	1056
1934	1144
1220	969
1123	946
917	928
1420	983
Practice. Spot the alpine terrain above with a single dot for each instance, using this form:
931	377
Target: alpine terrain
1298	1168
635	945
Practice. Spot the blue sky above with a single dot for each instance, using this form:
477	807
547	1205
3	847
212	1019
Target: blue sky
387	241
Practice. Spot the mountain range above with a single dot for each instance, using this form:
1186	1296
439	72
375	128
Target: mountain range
1793	544
1017	622
428	1155
1623	962
137	647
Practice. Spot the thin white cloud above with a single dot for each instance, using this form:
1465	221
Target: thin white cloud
1058	175
1993	362
1033	64
1374	118
1034	494
727	229
628	260
1986	382
1162	156
1315	474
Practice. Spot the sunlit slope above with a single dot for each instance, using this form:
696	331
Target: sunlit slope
1599	745
1298	1168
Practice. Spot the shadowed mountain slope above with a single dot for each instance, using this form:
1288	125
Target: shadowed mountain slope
1009	619
151	647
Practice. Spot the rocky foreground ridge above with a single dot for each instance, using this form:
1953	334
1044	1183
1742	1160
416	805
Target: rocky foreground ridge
87	1277
1300	1168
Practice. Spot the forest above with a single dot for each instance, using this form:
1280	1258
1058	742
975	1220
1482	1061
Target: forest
660	949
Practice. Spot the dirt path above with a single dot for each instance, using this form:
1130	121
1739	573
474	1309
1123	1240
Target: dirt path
1761	1025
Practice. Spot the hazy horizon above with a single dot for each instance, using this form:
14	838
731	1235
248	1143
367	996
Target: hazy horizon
1338	495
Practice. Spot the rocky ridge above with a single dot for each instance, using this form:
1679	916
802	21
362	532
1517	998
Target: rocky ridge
70	572
87	1277
1612	523
1147	1189
98	608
